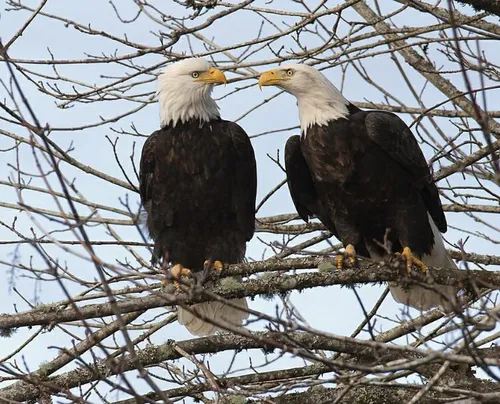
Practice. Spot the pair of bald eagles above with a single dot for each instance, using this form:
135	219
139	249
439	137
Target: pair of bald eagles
361	173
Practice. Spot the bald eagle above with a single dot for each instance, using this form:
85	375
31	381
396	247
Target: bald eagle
363	174
198	186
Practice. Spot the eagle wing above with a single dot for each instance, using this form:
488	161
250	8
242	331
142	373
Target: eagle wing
149	192
391	133
146	169
244	179
299	179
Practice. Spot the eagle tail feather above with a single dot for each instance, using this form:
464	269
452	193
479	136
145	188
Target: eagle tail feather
421	298
216	311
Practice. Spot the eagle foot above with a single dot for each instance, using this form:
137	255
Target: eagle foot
213	265
349	254
176	273
411	261
210	267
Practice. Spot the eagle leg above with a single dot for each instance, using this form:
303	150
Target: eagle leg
176	272
350	254
412	260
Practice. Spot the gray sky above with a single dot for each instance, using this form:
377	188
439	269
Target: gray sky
331	309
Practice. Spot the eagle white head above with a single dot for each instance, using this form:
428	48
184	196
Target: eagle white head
184	90
318	99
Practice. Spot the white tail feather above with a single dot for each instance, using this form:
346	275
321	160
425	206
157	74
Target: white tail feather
217	311
421	298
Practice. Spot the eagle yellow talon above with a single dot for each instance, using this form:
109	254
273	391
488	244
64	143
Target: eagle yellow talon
350	254
216	265
176	272
412	260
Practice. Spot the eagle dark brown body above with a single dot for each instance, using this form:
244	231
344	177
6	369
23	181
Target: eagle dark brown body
371	181
198	186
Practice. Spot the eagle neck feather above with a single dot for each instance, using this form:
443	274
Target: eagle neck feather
178	105
321	104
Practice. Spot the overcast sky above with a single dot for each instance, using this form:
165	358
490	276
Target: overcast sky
332	309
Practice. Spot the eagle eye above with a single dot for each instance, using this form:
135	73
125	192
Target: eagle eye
195	75
289	72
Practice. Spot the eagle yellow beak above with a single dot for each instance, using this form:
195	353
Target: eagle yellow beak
271	78
212	76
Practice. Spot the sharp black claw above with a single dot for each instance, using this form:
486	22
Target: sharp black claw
201	277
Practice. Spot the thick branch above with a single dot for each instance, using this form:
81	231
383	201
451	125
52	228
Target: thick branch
370	353
368	272
358	395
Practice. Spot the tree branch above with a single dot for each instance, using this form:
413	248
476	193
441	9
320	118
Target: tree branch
368	272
